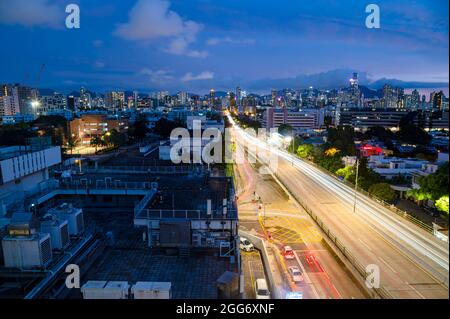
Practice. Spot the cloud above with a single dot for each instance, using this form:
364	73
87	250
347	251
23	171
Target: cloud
152	19
205	75
159	76
229	40
32	13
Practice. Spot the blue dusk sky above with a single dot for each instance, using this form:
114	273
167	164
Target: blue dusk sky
196	45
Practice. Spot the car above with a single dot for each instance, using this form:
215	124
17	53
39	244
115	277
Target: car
261	289
295	273
288	253
245	244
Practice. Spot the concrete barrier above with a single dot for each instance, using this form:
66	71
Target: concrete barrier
268	266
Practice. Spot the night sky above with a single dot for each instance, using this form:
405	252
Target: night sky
196	45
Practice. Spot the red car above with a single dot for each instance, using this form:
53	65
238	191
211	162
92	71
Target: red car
288	253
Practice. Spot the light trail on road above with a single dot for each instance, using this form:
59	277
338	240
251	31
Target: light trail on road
408	239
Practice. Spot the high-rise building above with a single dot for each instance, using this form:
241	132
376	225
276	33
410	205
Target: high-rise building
114	100
9	105
85	99
211	97
71	102
135	99
238	97
57	101
274	97
436	99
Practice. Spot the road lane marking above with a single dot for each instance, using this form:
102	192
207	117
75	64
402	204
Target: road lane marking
415	290
367	246
389	266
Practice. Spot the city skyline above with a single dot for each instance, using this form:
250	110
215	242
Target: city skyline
201	45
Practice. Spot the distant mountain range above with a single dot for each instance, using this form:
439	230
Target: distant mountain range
334	79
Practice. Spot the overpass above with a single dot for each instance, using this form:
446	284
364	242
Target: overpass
412	262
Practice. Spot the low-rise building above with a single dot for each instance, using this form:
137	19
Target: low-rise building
89	125
300	120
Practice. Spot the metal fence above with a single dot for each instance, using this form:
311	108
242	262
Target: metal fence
174	169
408	216
185	214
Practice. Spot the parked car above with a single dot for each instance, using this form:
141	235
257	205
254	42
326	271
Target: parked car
245	244
261	289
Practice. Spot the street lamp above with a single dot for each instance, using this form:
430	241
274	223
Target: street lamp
78	161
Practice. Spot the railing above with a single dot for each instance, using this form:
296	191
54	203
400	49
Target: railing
186	214
408	216
381	291
175	169
140	206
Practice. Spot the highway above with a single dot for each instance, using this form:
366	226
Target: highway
412	262
288	224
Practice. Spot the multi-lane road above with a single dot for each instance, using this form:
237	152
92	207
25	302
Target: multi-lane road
288	224
412	262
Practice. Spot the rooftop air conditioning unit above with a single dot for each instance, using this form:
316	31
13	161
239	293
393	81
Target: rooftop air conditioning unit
152	290
74	217
105	290
27	251
58	230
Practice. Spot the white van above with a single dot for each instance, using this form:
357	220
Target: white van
261	289
245	244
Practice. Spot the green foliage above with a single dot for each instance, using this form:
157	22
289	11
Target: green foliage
305	151
442	204
383	191
163	127
331	163
16	134
409	133
342	138
380	133
346	172
432	186
115	138
247	122
139	129
285	130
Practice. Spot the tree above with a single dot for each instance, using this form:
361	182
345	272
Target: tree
16	134
96	142
409	133
342	138
442	204
381	133
163	127
383	191
115	138
433	186
331	163
305	151
139	129
71	143
285	129
327	121
346	172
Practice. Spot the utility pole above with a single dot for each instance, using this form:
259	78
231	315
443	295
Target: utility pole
356	184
